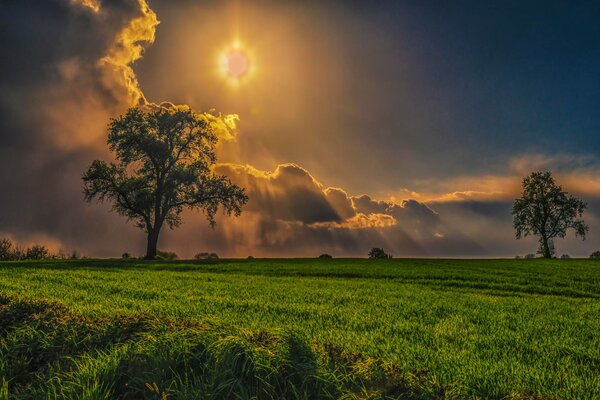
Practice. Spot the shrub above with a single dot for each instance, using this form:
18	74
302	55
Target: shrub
6	250
13	252
126	256
206	256
377	253
166	255
565	257
250	258
529	256
595	255
37	252
325	256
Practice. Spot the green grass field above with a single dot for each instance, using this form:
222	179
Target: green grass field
415	329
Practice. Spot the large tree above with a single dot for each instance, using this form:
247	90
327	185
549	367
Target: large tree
545	210
164	159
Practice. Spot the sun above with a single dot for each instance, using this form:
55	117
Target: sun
236	63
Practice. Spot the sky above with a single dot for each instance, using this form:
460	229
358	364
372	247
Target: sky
406	125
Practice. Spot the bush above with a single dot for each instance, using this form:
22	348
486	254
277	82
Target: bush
6	250
377	253
37	252
565	257
126	256
595	255
166	255
206	256
325	256
250	258
13	252
529	256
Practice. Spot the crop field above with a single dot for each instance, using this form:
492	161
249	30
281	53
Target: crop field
300	328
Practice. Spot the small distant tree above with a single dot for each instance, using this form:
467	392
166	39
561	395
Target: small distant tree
37	252
545	210
325	257
165	160
6	249
595	255
377	253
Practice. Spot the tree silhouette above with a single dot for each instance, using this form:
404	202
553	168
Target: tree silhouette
545	210
377	253
164	165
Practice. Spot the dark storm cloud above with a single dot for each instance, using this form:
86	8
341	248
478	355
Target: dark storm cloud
291	213
54	108
289	193
410	213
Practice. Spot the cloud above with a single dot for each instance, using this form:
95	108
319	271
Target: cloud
411	214
92	5
577	174
289	193
291	213
125	50
341	203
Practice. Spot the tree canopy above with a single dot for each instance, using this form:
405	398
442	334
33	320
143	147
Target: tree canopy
164	164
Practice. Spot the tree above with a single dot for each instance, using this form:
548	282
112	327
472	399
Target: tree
6	249
545	210
377	253
37	252
165	160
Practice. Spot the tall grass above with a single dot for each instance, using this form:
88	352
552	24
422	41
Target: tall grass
50	352
301	329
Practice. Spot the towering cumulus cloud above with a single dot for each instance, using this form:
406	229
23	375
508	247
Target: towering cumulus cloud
69	68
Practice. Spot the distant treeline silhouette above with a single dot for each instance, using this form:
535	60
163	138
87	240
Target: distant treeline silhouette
11	251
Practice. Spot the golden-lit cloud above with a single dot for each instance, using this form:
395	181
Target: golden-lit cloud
126	49
93	5
576	174
360	221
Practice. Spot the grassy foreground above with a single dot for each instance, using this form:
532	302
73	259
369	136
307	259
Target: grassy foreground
415	329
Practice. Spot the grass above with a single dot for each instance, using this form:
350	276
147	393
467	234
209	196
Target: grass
418	329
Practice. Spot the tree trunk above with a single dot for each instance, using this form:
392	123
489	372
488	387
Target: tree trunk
546	248
152	244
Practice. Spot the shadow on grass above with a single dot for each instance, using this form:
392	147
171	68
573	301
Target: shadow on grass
47	351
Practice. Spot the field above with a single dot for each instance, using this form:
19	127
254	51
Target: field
415	329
